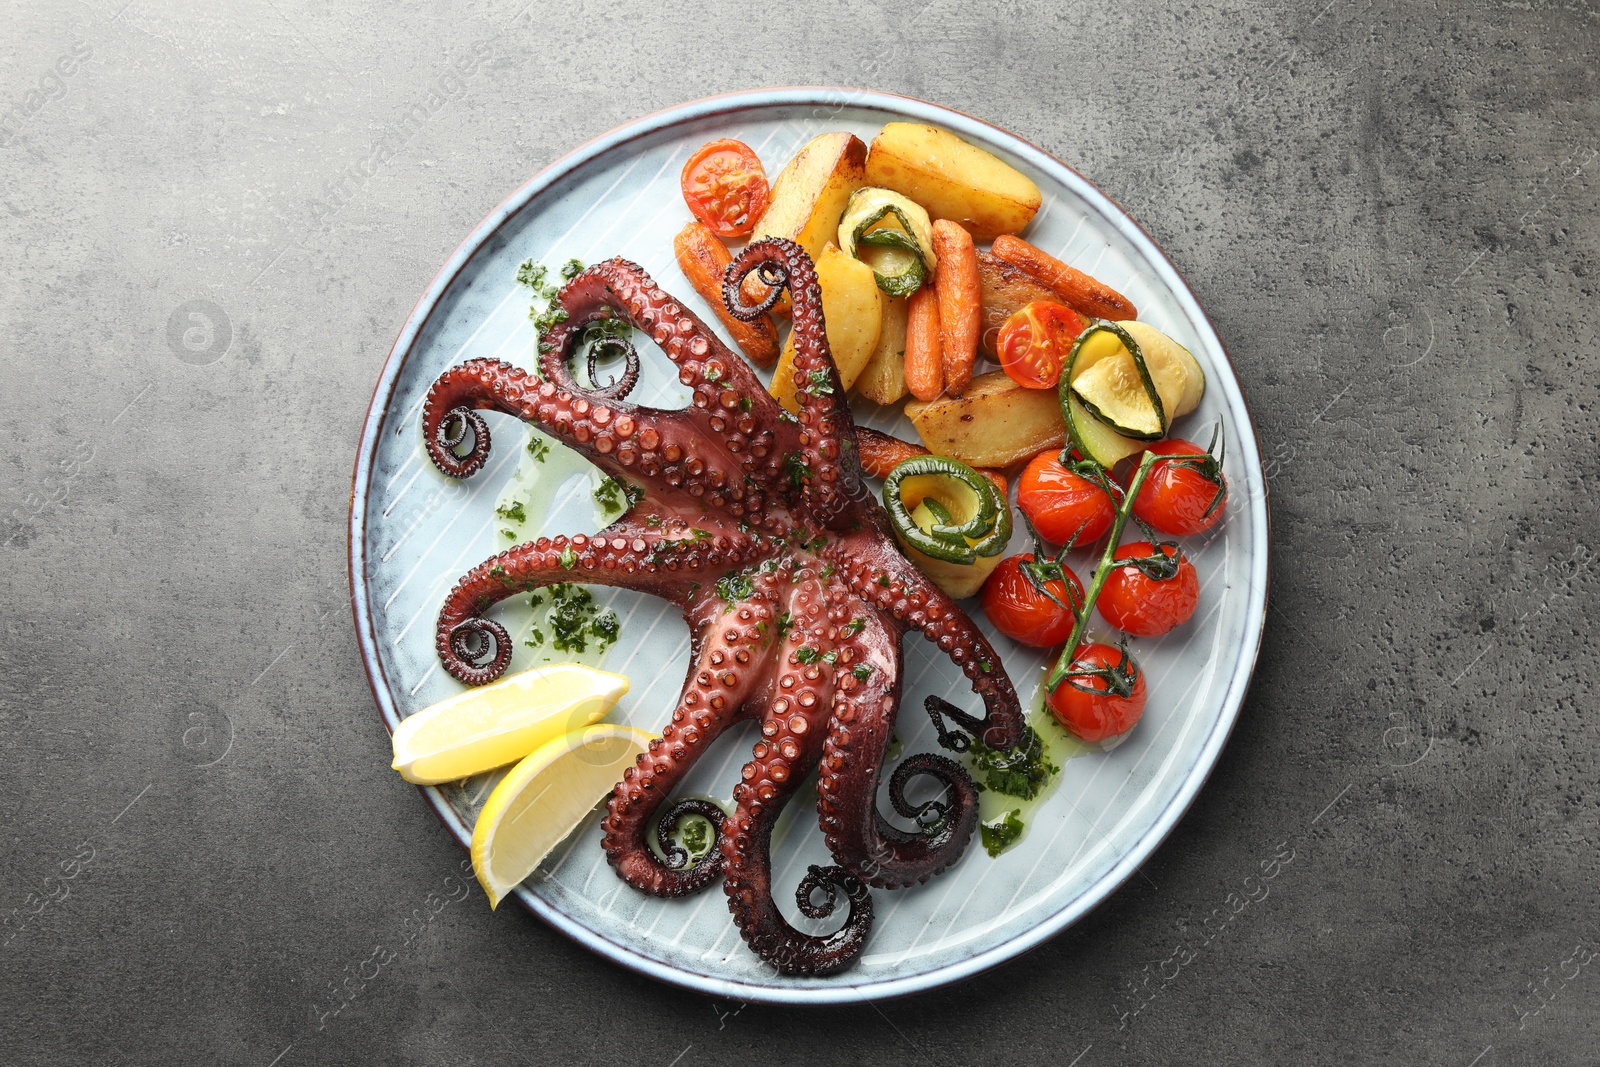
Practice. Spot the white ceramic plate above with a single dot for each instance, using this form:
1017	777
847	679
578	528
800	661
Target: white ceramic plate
413	532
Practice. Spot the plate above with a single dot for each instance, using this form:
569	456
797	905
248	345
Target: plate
413	532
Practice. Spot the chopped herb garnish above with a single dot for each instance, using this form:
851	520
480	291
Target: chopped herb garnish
571	269
548	319
735	587
1022	772
615	496
695	837
538	448
570	618
1002	833
795	465
606	626
574	620
532	275
862	671
512	511
807	654
568	559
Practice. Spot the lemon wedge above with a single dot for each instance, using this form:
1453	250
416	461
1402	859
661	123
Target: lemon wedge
544	798
502	722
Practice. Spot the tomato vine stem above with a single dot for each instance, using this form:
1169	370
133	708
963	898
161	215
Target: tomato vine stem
1102	571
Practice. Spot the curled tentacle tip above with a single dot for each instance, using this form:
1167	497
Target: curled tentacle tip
772	273
830	880
675	855
459	426
609	347
479	650
951	776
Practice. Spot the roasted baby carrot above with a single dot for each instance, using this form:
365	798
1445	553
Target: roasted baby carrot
924	346
960	302
703	258
882	452
1077	290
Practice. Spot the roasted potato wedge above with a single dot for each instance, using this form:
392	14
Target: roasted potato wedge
1005	290
852	307
995	424
883	380
809	195
952	179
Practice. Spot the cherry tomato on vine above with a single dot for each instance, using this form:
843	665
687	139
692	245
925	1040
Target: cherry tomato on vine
1032	601
1035	342
1058	501
1154	592
1182	496
1103	694
725	187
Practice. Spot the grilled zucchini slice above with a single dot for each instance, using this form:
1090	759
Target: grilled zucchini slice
891	234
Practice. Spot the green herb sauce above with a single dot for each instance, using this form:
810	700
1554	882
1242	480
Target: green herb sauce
1002	833
1012	785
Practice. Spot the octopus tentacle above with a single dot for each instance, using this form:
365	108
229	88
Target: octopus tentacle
728	400
792	737
625	554
832	469
721	680
858	836
627	441
892	583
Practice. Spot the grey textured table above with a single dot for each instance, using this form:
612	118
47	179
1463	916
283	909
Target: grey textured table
1388	209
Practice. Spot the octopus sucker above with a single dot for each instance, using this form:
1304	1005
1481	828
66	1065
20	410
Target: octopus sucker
759	527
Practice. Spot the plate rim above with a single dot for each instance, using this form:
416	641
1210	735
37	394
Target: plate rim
1199	771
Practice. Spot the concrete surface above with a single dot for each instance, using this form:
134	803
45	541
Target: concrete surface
1390	210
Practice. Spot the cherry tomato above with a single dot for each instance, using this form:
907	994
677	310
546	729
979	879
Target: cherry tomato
725	187
1138	603
1021	611
1102	695
1058	501
1035	341
1181	498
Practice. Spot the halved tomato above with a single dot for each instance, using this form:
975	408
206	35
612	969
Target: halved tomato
725	187
1035	341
